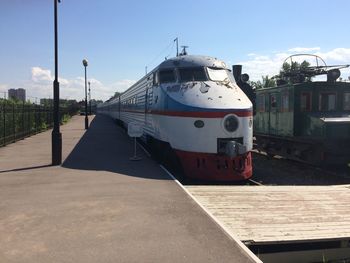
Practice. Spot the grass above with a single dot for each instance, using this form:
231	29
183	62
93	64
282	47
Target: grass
65	118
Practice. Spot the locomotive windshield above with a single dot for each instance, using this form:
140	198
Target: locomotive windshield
166	76
218	74
192	74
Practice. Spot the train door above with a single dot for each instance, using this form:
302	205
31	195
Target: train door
148	103
273	113
152	81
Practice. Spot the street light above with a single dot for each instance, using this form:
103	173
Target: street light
85	63
56	136
89	99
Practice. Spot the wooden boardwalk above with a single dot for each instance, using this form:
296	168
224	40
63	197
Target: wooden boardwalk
279	214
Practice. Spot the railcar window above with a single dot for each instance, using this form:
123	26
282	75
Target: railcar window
273	101
305	101
192	74
155	79
285	102
150	97
347	101
327	101
167	76
261	103
218	74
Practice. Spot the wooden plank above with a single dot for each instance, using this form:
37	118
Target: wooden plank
267	214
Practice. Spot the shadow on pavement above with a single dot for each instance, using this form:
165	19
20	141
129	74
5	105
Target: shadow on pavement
25	168
107	147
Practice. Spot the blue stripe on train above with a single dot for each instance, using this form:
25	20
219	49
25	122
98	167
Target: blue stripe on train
170	104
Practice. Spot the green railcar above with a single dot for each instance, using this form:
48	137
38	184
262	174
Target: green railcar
307	121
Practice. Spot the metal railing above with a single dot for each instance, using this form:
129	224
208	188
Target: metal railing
19	120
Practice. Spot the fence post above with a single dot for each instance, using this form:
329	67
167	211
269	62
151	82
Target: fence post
4	122
35	119
29	125
47	117
13	121
23	129
39	126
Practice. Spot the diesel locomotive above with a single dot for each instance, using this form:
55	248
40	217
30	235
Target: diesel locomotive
191	107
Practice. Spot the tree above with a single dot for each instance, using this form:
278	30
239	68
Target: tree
264	83
116	94
294	72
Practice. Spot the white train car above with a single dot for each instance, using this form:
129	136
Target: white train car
192	105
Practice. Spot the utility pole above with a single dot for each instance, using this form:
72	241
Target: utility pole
56	135
89	99
85	63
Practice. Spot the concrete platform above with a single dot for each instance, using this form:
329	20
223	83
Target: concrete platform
99	206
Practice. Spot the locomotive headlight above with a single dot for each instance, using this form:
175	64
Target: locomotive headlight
231	123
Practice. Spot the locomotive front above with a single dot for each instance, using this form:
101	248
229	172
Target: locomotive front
205	117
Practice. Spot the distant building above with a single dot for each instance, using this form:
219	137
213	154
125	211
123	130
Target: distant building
17	94
12	94
21	94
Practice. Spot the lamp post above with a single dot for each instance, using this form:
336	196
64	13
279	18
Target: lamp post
56	136
89	99
85	63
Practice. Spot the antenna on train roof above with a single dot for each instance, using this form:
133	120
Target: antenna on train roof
177	46
183	52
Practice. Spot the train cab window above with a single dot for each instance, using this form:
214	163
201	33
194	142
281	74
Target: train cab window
166	76
305	101
217	74
192	74
155	79
346	101
327	101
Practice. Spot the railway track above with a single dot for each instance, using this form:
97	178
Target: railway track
273	171
255	182
280	171
331	171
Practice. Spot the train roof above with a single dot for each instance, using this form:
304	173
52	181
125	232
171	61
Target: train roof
191	61
182	61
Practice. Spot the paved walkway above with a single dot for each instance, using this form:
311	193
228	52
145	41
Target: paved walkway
99	206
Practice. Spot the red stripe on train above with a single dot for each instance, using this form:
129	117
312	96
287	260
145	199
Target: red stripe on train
196	114
203	114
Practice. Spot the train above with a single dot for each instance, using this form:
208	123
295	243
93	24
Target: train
304	118
191	109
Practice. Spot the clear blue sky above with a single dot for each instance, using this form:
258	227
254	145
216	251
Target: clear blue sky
120	37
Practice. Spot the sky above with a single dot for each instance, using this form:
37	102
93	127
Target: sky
120	38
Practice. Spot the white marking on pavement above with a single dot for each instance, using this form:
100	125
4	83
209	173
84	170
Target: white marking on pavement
228	232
